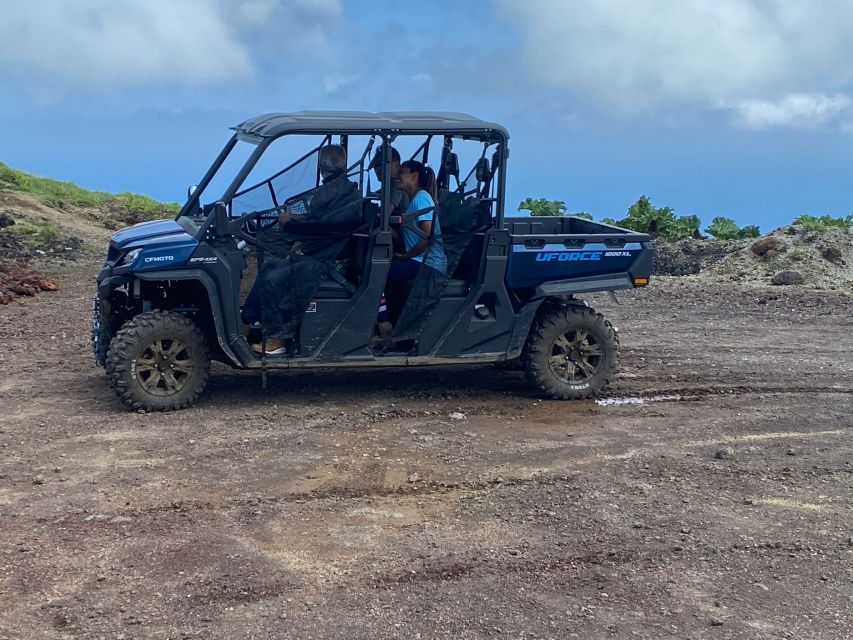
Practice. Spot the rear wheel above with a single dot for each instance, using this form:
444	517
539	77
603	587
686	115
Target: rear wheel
158	361
571	353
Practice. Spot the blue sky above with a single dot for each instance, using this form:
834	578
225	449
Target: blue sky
734	107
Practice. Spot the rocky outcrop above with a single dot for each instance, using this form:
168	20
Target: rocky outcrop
788	277
765	246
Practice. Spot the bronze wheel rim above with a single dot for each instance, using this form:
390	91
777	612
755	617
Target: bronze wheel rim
575	357
164	367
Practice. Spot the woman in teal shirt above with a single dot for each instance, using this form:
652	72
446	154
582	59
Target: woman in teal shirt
418	181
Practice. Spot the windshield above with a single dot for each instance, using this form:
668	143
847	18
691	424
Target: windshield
288	168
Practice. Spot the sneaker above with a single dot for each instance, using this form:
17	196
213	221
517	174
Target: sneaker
381	333
275	347
384	329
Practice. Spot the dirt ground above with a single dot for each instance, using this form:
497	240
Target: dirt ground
350	505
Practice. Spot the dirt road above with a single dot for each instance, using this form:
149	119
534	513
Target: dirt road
350	505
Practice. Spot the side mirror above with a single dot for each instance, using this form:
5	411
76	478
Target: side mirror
191	190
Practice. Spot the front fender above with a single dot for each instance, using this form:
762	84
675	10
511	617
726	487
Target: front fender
216	308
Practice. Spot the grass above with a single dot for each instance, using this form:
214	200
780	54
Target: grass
36	234
130	206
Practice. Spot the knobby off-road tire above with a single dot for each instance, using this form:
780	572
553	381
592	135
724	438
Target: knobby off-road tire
571	353
158	361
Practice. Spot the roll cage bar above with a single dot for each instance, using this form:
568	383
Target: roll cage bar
489	138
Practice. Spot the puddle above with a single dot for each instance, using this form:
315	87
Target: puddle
609	402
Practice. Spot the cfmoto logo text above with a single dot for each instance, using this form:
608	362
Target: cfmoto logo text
568	256
160	259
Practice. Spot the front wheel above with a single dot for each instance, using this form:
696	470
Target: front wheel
158	361
571	353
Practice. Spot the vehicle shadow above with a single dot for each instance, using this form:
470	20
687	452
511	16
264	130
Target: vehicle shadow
227	386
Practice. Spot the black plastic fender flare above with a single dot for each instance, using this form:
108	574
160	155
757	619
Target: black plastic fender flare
213	297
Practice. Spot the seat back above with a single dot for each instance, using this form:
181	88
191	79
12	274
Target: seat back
357	256
460	218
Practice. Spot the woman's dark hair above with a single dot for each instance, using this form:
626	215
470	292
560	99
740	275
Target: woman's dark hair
426	177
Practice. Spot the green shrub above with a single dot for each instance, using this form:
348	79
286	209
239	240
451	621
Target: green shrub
543	207
749	231
646	218
723	228
582	214
824	222
686	227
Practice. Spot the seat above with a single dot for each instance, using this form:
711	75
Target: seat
357	249
329	289
337	285
456	287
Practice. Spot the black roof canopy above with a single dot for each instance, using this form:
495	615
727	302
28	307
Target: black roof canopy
272	125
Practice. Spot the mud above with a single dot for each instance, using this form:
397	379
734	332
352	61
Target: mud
350	505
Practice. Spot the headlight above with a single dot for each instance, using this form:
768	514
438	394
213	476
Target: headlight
129	257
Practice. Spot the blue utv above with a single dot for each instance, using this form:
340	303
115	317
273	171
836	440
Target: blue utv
170	292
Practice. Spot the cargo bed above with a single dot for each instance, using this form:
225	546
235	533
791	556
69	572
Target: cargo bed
557	250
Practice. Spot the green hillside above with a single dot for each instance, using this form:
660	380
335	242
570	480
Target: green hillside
60	194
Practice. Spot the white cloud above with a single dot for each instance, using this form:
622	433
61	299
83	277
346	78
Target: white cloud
97	43
800	110
630	54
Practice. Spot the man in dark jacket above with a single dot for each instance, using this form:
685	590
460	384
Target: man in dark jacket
287	282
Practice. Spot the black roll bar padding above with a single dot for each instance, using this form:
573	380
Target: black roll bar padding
497	157
385	194
442	178
453	168
220	218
